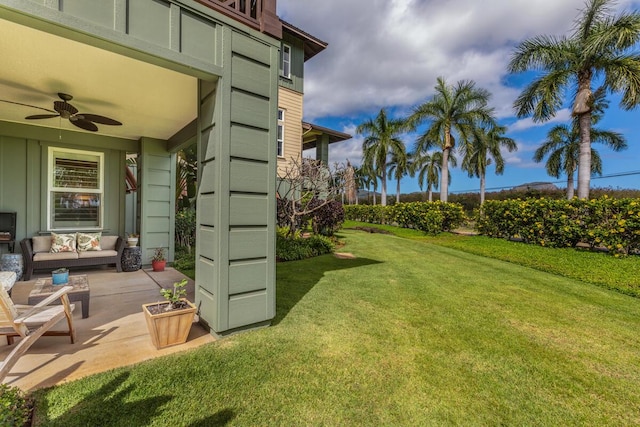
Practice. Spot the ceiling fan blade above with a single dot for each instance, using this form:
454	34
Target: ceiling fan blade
83	124
27	105
100	119
61	106
42	116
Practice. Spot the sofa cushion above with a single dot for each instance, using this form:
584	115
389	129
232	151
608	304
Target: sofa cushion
63	242
97	254
88	242
41	243
108	242
48	256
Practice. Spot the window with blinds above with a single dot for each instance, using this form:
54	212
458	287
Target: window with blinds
76	189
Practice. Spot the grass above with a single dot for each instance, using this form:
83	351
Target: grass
619	274
408	333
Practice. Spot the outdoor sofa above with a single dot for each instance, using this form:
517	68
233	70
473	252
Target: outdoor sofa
37	253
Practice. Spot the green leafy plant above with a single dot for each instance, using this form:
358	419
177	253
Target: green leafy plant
174	295
158	255
15	408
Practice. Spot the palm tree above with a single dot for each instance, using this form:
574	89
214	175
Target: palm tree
381	140
484	150
452	110
429	166
368	178
399	166
563	148
598	47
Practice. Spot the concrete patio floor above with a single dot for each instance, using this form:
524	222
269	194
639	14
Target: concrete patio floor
114	335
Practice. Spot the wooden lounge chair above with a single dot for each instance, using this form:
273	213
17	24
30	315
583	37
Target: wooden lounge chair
31	322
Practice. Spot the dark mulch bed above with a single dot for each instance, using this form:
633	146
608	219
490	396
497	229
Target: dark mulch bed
370	230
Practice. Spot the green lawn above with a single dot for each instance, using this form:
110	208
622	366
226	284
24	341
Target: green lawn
409	333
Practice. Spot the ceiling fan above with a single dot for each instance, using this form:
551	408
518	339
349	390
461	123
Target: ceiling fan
65	110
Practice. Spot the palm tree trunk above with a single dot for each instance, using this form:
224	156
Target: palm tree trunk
398	191
383	190
584	161
430	193
570	186
483	183
444	181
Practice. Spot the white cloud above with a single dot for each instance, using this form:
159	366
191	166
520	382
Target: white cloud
390	52
562	116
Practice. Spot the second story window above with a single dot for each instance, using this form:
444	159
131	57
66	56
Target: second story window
280	133
285	57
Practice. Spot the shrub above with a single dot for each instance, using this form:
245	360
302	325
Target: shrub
186	228
298	247
610	223
15	408
328	218
429	217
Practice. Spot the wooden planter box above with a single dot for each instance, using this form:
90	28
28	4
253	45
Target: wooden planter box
169	327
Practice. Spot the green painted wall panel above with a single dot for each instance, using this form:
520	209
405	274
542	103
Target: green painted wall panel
153	240
101	12
250	110
207	241
158	177
158	208
161	162
251	48
208	179
207	307
250	177
247	276
206	274
296	80
157	198
247	309
250	76
158	223
247	243
248	210
24	173
198	37
249	143
207	208
149	20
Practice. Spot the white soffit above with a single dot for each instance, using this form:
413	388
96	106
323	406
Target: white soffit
149	100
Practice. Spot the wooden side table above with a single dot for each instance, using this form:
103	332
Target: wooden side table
80	293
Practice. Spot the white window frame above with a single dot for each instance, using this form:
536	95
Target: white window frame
285	61
56	152
280	133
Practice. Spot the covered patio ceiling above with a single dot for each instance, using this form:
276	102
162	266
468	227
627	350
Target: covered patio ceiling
149	100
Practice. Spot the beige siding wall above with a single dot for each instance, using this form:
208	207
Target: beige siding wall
291	103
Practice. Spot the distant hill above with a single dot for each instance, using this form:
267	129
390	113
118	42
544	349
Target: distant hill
541	186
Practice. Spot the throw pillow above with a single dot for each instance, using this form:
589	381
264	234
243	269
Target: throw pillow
63	242
89	242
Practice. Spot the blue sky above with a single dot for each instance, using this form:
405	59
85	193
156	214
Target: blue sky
388	53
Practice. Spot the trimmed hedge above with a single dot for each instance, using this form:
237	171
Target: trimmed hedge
429	217
608	223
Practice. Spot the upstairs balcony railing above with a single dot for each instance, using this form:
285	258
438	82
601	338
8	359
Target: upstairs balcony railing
258	14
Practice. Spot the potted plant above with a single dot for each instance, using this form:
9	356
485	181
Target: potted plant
158	261
169	322
132	239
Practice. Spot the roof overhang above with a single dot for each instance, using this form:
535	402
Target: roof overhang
149	100
312	133
312	45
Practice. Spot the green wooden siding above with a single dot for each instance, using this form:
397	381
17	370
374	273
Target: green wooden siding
296	81
157	198
236	205
24	164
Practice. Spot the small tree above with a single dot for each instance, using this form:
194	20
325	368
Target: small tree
304	187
